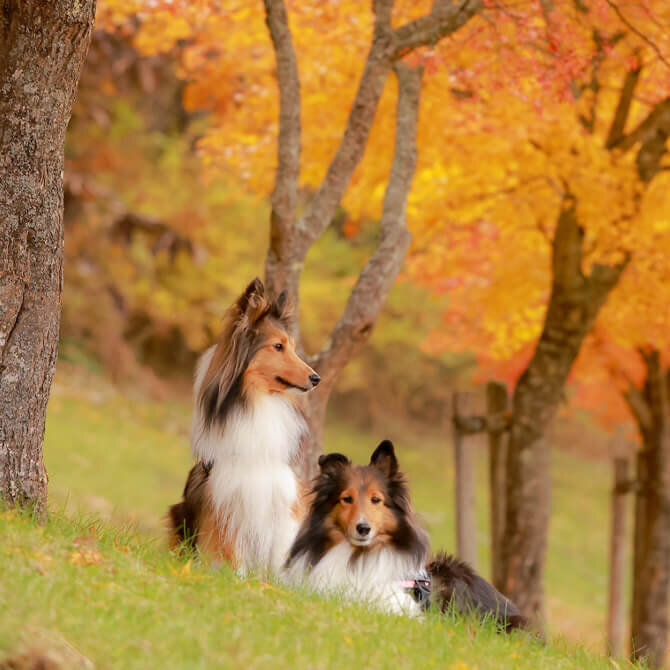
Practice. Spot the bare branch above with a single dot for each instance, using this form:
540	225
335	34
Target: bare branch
285	193
321	209
387	45
377	277
444	19
640	34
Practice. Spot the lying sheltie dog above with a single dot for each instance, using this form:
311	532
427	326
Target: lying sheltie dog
361	540
242	499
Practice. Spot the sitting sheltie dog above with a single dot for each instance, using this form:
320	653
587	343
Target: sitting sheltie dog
361	540
242	499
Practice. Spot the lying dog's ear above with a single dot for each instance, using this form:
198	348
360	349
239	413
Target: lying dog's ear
332	463
384	458
252	296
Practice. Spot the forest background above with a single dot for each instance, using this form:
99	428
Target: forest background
538	210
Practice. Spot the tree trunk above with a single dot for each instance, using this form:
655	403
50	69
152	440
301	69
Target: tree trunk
496	404
42	49
574	303
291	236
651	571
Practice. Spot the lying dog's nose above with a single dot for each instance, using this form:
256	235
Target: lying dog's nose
315	379
363	529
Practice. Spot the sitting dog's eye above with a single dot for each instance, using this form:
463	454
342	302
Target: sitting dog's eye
375	500
279	346
347	499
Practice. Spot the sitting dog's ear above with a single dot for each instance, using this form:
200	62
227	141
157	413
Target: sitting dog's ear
251	297
384	458
280	308
330	464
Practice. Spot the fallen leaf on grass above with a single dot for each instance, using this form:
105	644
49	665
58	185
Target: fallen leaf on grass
86	557
264	586
185	571
86	541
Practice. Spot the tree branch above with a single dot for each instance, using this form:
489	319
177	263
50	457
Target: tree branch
377	277
567	246
321	209
652	133
444	19
623	108
640	34
285	193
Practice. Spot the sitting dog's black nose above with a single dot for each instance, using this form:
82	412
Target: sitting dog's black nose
363	529
315	379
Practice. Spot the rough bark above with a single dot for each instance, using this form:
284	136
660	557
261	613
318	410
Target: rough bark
291	236
42	49
574	303
651	564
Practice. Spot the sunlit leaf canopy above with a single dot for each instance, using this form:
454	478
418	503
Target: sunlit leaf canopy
510	121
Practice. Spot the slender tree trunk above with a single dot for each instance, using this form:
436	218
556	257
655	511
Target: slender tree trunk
574	303
291	235
651	572
42	49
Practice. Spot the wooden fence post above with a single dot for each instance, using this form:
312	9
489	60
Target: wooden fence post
616	611
464	474
496	404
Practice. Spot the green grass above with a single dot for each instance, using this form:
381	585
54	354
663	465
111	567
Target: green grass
124	602
123	460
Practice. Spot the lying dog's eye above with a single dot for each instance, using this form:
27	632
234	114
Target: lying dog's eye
347	499
279	346
375	500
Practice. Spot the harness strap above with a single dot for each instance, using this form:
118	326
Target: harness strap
419	589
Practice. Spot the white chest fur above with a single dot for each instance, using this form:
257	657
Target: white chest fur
373	577
251	483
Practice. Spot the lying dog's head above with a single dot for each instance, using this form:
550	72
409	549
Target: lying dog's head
367	506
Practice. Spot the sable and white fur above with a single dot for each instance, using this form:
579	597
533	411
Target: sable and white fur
361	540
242	498
330	555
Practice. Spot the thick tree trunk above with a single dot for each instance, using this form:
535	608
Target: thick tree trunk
651	571
574	303
42	49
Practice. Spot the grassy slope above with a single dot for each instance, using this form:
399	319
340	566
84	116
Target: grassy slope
135	606
125	460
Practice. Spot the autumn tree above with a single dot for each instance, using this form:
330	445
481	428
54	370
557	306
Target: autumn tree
530	272
42	50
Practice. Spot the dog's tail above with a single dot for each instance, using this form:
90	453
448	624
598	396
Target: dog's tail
183	517
455	584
